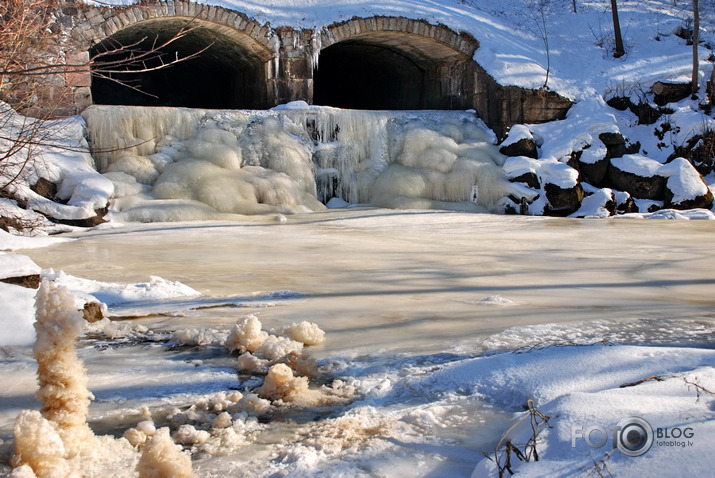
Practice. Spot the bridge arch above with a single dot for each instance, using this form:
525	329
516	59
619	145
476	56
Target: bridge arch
233	69
252	65
393	63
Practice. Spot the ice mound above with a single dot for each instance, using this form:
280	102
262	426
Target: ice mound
247	335
61	375
441	164
305	332
281	384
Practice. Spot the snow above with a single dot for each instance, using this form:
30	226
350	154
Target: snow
12	242
593	206
113	293
590	394
61	159
548	171
18	315
16	265
683	180
637	164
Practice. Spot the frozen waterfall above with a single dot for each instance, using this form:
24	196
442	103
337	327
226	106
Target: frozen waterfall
172	164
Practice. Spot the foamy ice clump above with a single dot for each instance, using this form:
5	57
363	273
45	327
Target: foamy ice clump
56	441
281	358
162	458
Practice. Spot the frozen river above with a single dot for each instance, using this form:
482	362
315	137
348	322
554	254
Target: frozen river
395	292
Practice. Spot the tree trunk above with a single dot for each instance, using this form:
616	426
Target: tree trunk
696	41
617	30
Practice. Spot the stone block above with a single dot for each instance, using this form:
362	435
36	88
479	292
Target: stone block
81	76
123	19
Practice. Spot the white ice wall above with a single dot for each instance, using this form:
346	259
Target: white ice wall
180	164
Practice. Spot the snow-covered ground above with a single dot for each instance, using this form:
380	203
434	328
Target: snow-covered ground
445	324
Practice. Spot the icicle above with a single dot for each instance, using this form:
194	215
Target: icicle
316	45
276	55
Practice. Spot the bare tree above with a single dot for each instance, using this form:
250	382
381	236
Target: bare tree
620	51
537	10
28	30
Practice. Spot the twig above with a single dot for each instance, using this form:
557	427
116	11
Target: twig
699	389
657	378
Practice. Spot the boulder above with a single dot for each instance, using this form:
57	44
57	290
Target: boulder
529	178
617	145
593	163
685	188
563	201
523	147
95	220
520	142
638	176
625	203
94	311
621	103
45	188
602	203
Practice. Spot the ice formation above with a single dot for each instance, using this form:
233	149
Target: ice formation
57	441
305	332
246	335
281	359
61	375
281	384
203	164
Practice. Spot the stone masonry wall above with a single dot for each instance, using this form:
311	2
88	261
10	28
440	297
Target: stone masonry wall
289	55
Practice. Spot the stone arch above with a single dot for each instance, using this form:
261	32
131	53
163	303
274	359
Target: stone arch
233	72
393	63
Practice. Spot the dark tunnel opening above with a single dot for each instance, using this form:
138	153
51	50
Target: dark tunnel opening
360	75
225	74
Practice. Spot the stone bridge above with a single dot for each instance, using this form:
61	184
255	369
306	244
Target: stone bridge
362	63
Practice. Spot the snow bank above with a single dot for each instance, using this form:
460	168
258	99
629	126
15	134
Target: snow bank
17	317
113	293
588	392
